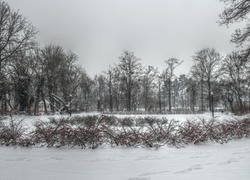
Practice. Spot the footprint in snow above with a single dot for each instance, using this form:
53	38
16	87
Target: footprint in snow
229	162
193	168
154	173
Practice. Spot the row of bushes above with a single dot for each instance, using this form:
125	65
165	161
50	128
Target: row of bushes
97	131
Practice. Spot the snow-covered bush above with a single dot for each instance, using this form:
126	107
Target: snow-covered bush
13	133
97	131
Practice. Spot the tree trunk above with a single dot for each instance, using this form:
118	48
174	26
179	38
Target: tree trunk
129	94
209	95
202	96
169	95
159	95
110	94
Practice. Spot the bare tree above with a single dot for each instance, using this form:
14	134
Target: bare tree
101	92
86	95
130	70
235	75
206	65
17	36
117	88
192	92
198	74
159	94
110	78
167	77
183	81
148	87
61	74
237	11
22	76
39	81
69	75
51	58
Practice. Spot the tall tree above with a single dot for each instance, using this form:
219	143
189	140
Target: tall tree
168	75
61	75
192	93
199	76
148	87
110	78
69	74
183	85
130	69
17	36
206	66
51	59
234	79
85	96
117	87
159	94
101	92
39	81
22	77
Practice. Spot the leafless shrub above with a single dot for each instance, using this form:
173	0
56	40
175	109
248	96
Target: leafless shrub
86	137
189	131
11	133
109	120
45	132
111	135
90	135
93	132
97	131
126	122
236	129
245	127
168	131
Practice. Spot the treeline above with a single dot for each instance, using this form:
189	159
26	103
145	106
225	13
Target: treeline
36	79
214	82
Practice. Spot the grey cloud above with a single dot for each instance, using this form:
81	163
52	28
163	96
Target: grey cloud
99	30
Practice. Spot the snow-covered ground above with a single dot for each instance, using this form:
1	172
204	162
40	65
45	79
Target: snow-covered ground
208	161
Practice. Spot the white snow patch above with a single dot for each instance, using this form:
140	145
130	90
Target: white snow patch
211	161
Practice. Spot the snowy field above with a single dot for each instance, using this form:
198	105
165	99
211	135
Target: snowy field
211	161
208	161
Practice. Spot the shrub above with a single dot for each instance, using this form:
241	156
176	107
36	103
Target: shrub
11	133
97	131
126	122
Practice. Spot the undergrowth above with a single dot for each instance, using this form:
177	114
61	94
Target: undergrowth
98	131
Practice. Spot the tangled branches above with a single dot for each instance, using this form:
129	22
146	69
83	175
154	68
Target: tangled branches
98	131
13	133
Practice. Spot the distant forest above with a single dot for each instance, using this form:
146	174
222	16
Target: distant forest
37	80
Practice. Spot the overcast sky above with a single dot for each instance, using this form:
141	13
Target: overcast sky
155	30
